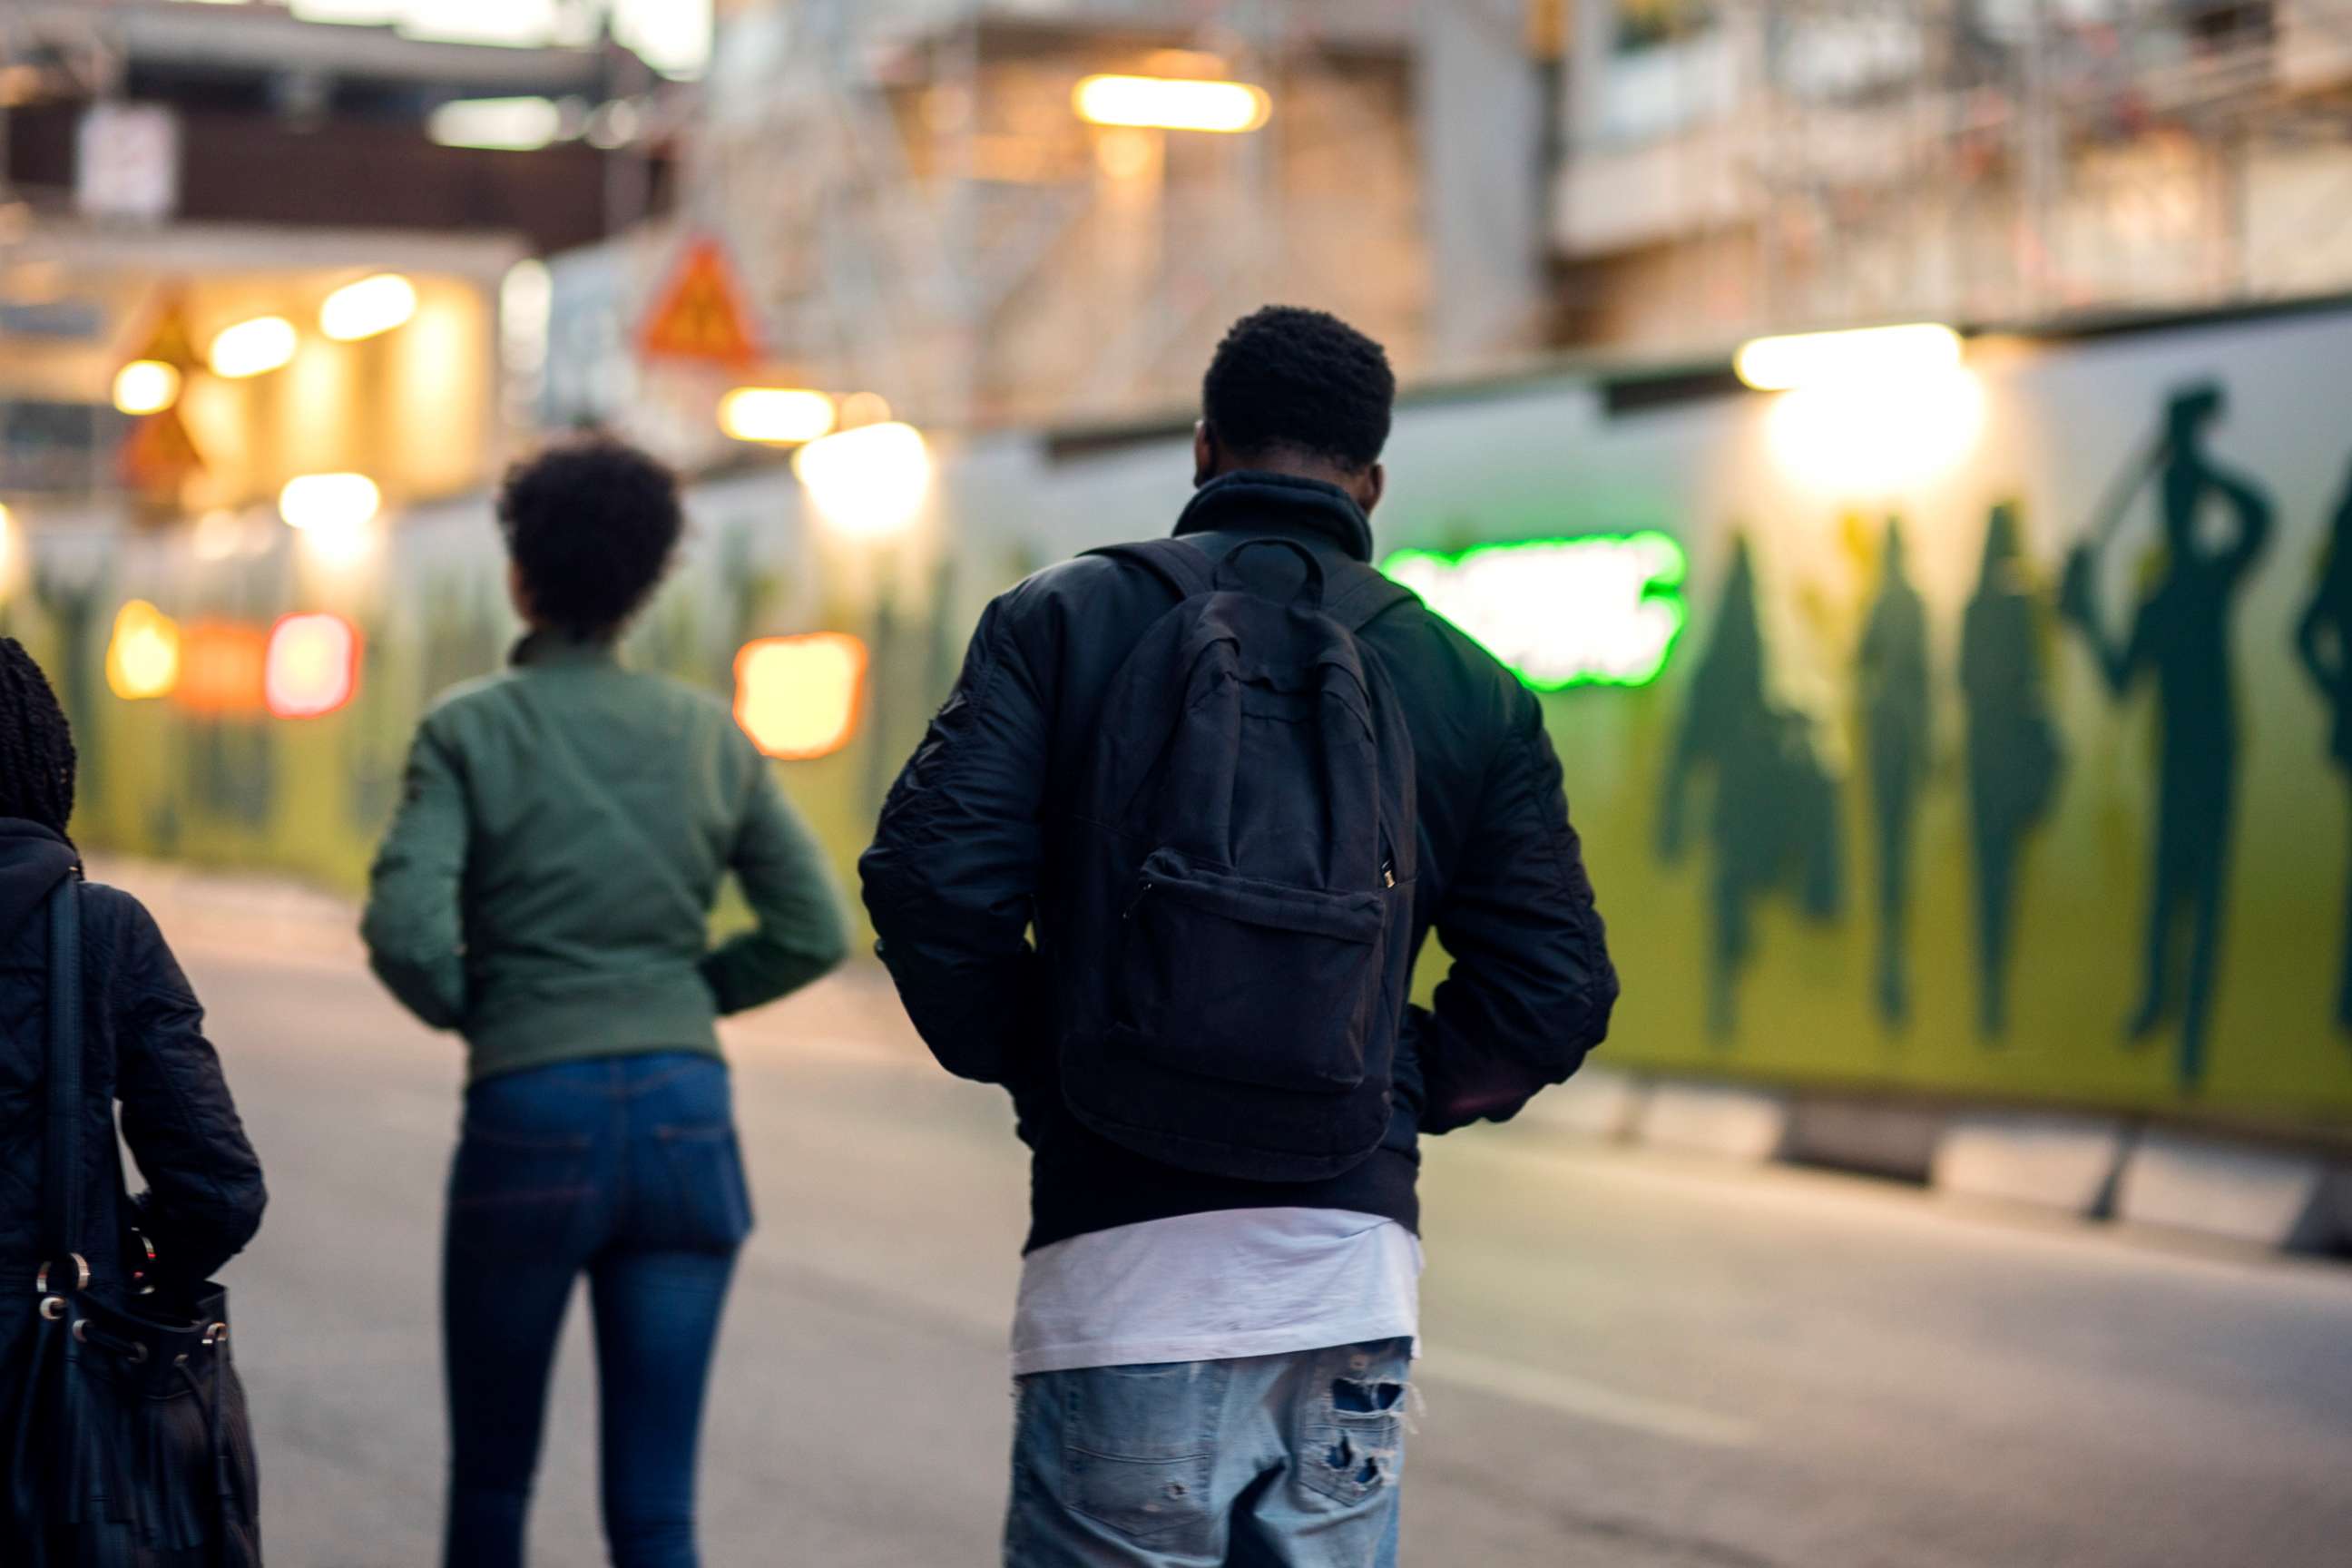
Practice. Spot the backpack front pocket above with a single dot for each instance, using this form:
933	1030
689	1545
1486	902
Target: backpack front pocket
1246	981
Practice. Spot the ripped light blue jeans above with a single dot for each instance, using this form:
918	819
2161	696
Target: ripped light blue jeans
1279	1461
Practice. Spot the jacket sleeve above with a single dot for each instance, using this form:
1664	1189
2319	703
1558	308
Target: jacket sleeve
413	927
951	879
800	935
1531	987
205	1194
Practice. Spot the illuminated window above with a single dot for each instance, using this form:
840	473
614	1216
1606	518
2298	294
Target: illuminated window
142	658
1599	611
222	668
312	665
797	697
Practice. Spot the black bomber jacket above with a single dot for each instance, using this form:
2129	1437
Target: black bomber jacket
952	879
143	1046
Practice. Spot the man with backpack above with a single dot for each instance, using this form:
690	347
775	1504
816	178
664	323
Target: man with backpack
1231	781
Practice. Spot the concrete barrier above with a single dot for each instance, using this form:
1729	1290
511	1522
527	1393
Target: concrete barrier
1598	1103
1737	1124
2237	1191
1875	1138
2063	1163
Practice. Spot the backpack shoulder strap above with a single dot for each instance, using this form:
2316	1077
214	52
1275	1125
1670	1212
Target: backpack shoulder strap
61	1176
1184	567
1371	595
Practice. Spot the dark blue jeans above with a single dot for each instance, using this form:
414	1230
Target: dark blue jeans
625	1169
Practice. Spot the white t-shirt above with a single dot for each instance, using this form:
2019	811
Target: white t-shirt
1215	1287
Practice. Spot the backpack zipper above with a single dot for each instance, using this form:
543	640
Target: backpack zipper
1136	902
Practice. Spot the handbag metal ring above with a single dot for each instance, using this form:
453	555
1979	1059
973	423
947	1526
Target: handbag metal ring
81	1274
216	1334
53	1307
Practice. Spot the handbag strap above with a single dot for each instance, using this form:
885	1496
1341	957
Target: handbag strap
61	1172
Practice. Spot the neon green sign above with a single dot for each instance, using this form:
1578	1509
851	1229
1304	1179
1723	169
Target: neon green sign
1602	610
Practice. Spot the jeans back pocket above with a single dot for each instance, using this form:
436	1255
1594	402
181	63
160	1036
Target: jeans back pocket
695	1197
1139	1445
515	1195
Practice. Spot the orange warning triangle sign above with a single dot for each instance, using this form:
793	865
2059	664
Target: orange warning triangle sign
160	454
169	340
699	314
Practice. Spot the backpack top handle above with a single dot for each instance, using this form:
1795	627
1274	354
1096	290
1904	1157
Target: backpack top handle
1228	580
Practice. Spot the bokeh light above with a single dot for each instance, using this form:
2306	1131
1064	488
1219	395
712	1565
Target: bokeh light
797	697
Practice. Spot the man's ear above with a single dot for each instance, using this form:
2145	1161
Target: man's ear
1374	485
1205	454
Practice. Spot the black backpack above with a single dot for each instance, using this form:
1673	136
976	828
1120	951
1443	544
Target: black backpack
1237	870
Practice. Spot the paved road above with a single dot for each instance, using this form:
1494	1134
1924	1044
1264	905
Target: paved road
1632	1361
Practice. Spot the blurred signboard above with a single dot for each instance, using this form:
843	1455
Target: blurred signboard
1601	610
127	162
160	453
53	321
48	448
699	314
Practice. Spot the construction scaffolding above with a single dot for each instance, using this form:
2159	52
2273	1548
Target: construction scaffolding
1972	160
917	207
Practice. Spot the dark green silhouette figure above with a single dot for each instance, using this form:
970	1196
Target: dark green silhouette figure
2014	758
1892	682
2182	634
1773	825
2322	639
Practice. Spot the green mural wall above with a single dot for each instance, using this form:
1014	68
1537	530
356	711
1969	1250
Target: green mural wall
1925	754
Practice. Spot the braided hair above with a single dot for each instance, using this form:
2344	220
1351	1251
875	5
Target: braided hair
36	749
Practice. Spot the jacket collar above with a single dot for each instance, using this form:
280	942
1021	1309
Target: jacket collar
33	860
554	649
1250	500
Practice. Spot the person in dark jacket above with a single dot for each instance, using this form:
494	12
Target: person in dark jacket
143	1046
1215	1370
546	889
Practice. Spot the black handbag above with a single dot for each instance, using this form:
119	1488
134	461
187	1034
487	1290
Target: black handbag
130	1442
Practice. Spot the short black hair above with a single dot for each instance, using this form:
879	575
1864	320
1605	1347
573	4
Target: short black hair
592	525
1291	380
36	749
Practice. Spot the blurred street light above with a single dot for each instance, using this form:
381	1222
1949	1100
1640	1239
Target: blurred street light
497	124
1882	355
142	658
329	502
368	307
311	667
253	348
146	386
1168	103
778	416
867	483
797	697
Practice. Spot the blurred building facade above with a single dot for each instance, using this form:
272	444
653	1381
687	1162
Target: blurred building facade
170	171
911	203
1741	165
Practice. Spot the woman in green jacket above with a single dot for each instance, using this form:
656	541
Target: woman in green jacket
545	890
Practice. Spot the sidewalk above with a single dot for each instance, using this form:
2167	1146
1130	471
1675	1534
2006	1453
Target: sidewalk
2164	1185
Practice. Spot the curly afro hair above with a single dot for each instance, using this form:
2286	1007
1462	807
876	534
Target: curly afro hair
591	526
1295	381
